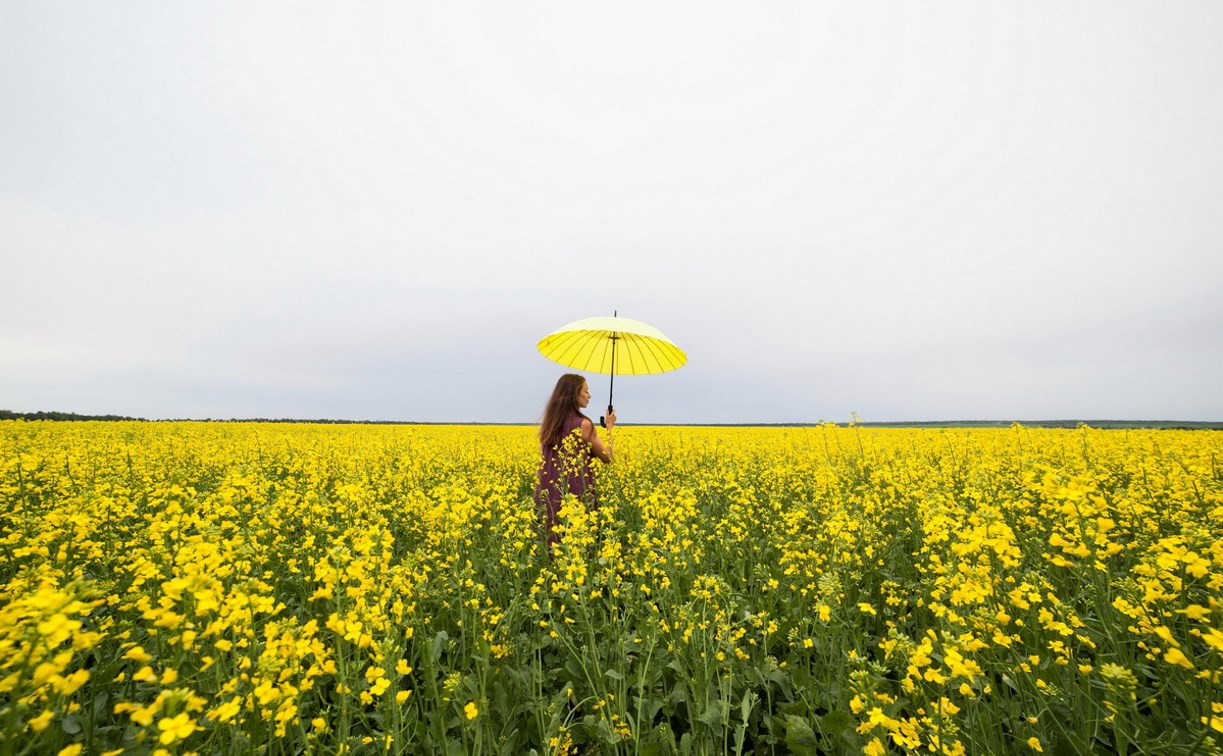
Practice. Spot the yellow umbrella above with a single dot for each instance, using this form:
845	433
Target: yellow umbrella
615	345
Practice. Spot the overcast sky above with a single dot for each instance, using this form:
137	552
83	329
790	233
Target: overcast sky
953	210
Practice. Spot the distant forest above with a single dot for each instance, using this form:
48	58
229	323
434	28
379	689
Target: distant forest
1103	424
10	415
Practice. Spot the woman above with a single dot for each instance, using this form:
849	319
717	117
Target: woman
568	441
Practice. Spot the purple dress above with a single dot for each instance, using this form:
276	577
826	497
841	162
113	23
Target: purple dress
564	469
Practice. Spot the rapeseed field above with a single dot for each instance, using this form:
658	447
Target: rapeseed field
170	588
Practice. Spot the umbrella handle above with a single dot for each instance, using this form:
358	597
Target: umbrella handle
603	418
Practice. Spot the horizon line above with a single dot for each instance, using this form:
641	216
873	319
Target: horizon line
1073	422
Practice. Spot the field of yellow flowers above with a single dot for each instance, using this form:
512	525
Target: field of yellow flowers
280	589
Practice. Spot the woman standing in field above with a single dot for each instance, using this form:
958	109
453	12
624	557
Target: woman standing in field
567	443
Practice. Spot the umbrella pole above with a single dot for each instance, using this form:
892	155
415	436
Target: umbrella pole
612	390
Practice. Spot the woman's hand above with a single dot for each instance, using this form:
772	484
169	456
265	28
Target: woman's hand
610	419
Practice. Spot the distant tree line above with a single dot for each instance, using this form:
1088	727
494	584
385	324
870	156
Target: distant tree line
1098	424
1101	424
10	415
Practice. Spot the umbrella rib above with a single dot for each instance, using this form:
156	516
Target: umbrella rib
659	350
571	341
579	343
658	365
641	347
661	363
675	355
629	348
550	345
678	358
594	344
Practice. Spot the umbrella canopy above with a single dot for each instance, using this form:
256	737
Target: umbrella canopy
619	346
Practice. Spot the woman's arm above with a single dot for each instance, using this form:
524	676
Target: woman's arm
597	447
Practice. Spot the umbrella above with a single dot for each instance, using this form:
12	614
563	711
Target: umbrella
615	345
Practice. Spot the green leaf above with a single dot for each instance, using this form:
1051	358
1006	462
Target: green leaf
835	722
604	732
1062	747
797	708
613	674
659	741
648	707
678	694
800	738
99	705
685	744
439	643
70	724
714	714
747	704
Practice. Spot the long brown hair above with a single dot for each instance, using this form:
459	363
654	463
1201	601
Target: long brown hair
562	405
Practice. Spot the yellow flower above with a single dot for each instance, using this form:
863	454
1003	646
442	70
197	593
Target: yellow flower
145	674
1214	639
71	750
144	716
470	710
1034	744
402	696
138	654
1195	612
1166	635
176	728
227	710
1175	656
40	722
